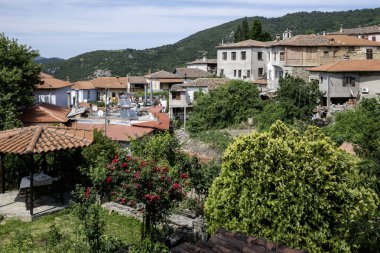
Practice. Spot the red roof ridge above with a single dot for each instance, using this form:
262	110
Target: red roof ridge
34	140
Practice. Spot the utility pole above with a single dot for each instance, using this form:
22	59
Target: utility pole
105	116
328	96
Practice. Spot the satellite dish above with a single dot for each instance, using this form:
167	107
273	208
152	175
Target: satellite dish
94	108
100	113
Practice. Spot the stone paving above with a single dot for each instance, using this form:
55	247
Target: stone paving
13	206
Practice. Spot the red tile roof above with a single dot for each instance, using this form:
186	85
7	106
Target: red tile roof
244	44
172	80
162	123
49	82
45	113
40	139
117	132
110	82
192	73
83	85
349	66
375	29
137	80
162	74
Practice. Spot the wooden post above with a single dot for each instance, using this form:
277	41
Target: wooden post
31	184
2	174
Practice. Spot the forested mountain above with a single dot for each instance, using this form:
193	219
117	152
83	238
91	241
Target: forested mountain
139	62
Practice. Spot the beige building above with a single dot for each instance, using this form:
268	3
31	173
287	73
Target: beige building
163	80
209	65
365	32
349	79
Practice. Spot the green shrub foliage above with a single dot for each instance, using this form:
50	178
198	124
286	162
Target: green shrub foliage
288	187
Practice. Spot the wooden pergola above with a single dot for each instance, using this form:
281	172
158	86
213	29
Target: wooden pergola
28	141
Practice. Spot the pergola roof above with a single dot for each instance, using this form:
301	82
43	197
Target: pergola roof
40	139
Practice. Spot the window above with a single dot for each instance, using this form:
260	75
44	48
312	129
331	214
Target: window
248	73
239	74
98	95
274	56
176	96
348	81
224	56
222	72
281	73
270	75
260	56
373	38
282	54
369	54
88	94
260	71
351	49
321	79
113	94
243	55
233	56
234	72
325	53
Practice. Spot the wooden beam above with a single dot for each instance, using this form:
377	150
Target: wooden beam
2	174
31	183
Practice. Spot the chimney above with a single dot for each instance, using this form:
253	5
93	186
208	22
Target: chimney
341	28
324	33
287	34
277	37
117	79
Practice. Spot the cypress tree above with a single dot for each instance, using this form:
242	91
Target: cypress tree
256	30
245	29
237	35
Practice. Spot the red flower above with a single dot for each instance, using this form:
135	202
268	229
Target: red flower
176	186
88	191
124	165
184	175
108	179
137	186
126	171
115	160
137	176
116	156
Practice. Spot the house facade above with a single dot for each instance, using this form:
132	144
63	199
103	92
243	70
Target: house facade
208	65
83	92
245	60
163	80
296	54
51	90
189	74
113	86
136	84
350	79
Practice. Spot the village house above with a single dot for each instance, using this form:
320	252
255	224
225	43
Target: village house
348	79
83	92
294	55
136	84
114	86
182	96
208	65
45	114
365	32
163	80
51	90
243	60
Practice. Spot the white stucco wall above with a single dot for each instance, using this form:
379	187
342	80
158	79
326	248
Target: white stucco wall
83	95
202	66
54	96
251	63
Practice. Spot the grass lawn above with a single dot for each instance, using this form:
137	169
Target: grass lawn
36	236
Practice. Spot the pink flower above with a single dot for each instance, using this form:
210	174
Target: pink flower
184	175
176	186
137	186
88	191
116	156
115	160
108	179
137	175
124	165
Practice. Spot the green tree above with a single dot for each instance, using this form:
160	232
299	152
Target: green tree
298	97
256	30
227	105
245	29
18	75
238	34
294	188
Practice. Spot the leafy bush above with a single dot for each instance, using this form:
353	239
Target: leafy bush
294	188
272	112
216	138
227	105
149	246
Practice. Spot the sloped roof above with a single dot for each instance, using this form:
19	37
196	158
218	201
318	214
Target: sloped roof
203	61
117	132
244	44
49	82
234	242
210	83
110	82
162	74
45	113
83	85
360	30
192	73
137	80
40	139
324	40
177	87
349	66
162	123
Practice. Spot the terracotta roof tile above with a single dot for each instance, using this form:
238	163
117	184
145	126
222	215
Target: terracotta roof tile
117	132
162	75
177	87
137	80
244	44
203	61
359	30
349	66
39	139
171	80
351	41
83	85
110	82
210	83
162	123
192	73
49	82
45	113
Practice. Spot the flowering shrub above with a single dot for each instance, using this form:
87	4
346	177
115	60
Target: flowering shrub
132	181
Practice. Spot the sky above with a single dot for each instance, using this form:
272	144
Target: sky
66	28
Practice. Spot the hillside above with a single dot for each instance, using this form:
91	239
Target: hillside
139	62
